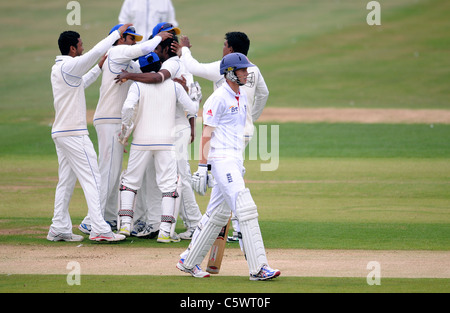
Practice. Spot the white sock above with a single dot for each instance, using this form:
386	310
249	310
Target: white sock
125	220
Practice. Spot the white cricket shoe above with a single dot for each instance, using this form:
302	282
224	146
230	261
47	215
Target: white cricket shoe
125	229
149	232
85	228
265	273
138	227
53	236
166	238
187	235
196	271
106	237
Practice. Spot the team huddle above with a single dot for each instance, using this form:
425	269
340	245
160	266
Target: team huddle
148	95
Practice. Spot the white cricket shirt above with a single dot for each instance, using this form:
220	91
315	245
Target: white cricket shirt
257	94
152	107
226	111
177	70
113	95
69	77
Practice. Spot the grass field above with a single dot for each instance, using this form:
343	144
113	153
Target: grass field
337	185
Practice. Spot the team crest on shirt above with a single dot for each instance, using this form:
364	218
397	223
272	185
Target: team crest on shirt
209	113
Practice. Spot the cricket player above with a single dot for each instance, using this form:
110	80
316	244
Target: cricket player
221	148
256	88
150	109
107	117
145	14
77	158
173	68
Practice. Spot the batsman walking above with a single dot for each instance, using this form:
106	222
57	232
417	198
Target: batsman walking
222	143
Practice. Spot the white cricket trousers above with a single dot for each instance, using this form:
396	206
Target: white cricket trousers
228	174
110	158
189	210
165	169
166	179
77	160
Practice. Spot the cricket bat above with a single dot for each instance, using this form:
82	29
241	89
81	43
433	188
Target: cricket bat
217	250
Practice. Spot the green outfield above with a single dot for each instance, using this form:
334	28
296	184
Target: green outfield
334	186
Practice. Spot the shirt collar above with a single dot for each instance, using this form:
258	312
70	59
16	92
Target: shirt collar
228	88
62	57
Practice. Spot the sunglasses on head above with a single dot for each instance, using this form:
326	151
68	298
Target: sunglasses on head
166	25
129	30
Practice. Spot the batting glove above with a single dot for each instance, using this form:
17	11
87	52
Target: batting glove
200	179
195	92
125	134
210	181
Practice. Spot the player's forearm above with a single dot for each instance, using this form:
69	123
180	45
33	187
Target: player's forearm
261	96
258	106
147	78
192	125
204	150
205	144
150	45
189	106
130	105
81	65
209	71
91	76
128	52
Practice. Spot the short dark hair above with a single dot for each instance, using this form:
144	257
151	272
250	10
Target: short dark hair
66	40
168	43
238	41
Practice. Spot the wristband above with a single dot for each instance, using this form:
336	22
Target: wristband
205	165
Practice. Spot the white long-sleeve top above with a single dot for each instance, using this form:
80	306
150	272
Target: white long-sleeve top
69	77
177	69
257	95
146	14
112	95
151	108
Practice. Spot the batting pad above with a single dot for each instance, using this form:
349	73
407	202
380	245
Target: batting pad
252	241
209	229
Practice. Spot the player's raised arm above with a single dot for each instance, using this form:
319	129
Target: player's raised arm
81	64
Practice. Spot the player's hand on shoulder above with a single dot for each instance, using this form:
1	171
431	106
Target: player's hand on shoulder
122	77
182	81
